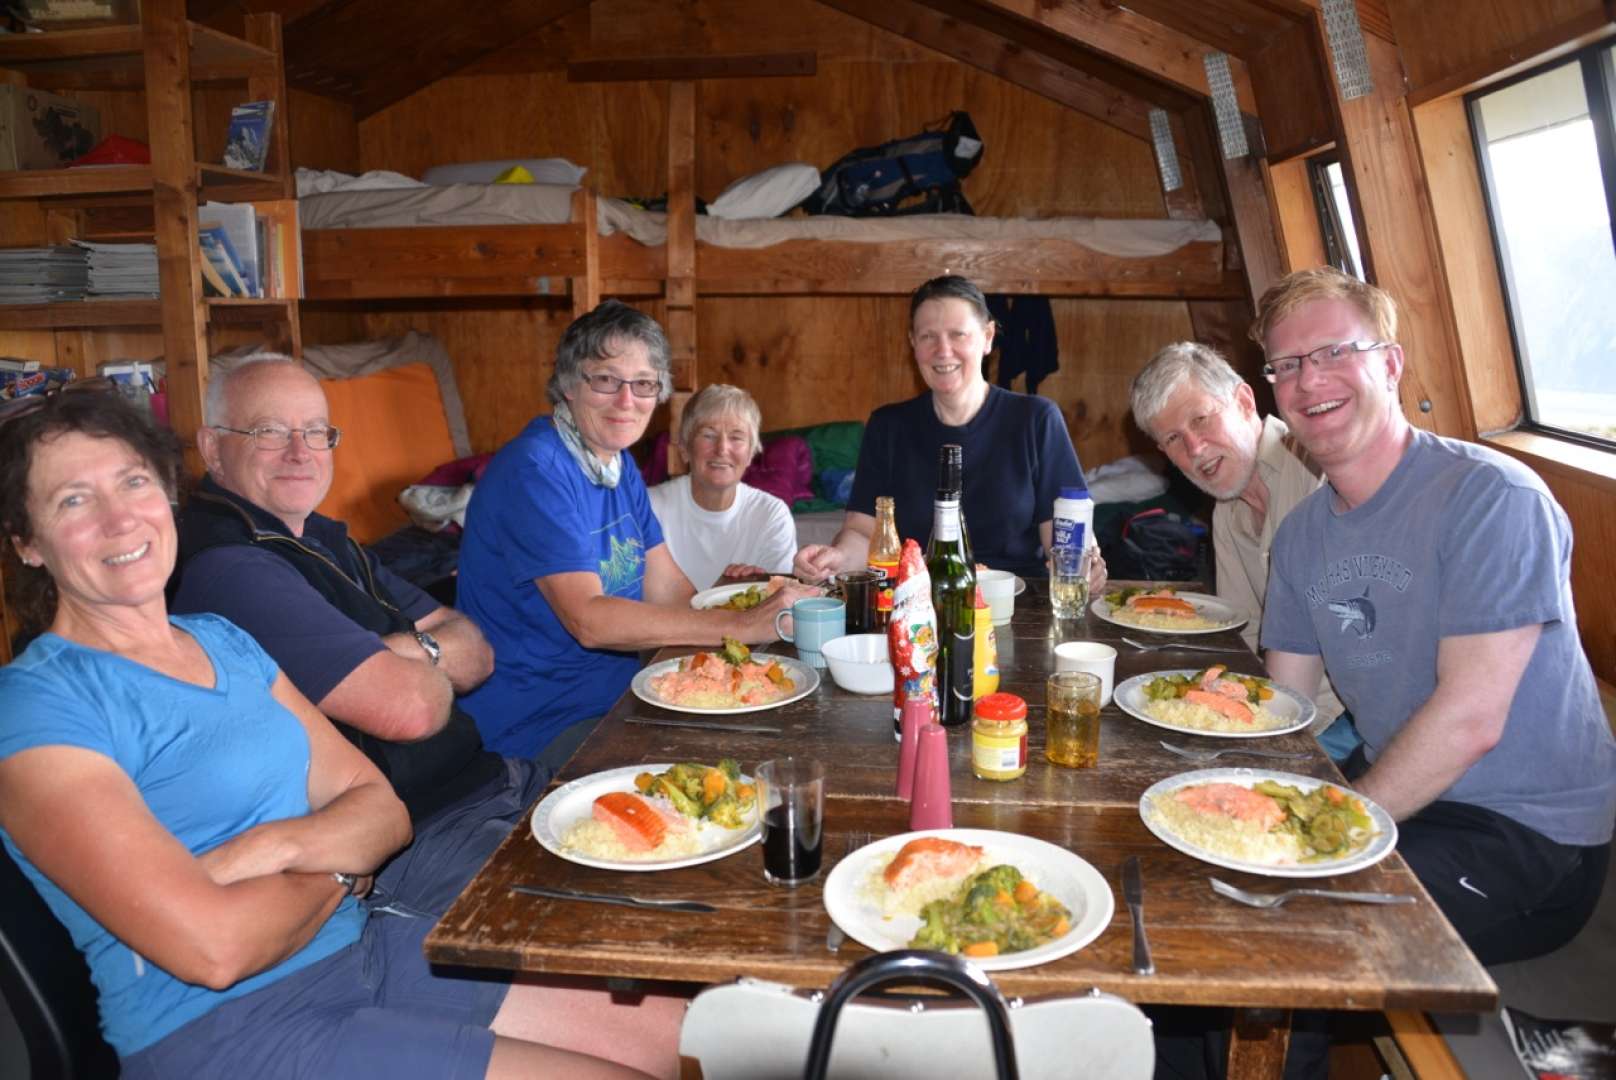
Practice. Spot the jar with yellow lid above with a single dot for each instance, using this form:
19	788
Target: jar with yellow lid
999	737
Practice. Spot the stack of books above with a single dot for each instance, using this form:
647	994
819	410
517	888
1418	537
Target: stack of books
121	271
247	253
43	275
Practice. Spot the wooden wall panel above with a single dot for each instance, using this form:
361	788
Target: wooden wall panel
805	359
1444	40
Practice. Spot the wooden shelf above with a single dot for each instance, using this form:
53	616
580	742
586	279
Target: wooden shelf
81	313
92	186
112	57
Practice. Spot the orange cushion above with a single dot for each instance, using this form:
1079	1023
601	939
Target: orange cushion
393	433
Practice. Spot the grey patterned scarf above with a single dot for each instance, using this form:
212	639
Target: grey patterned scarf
601	473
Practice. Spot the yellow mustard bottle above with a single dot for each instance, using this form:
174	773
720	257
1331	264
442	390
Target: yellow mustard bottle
985	655
999	737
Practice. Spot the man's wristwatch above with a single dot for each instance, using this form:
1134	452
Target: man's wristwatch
347	881
430	646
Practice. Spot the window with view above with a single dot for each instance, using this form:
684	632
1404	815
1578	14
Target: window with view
1335	215
1548	155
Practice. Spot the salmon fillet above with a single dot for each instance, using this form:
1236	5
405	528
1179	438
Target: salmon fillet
1162	605
1222	704
633	820
930	857
1231	801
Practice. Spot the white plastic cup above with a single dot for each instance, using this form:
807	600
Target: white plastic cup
1094	657
999	590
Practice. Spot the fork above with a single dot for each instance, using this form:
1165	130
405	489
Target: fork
1273	900
1204	756
836	935
1174	646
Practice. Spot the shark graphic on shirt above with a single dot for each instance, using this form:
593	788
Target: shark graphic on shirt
1356	614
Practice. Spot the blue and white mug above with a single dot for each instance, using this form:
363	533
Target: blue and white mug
815	620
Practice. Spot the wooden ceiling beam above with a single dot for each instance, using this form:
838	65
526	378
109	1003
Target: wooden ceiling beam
403	49
688	68
1154	49
971	44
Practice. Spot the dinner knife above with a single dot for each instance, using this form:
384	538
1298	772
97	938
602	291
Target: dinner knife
1133	891
707	725
610	898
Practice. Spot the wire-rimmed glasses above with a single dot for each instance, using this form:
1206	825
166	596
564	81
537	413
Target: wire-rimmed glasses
279	436
1281	368
609	385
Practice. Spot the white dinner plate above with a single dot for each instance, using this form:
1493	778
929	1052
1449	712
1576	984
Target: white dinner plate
1074	882
571	803
1296	709
804	676
1380	845
1208	607
719	593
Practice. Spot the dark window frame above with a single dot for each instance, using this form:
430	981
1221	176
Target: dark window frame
1599	87
1331	227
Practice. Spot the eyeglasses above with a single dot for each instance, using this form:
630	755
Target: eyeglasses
609	385
17	408
279	436
1324	357
1198	425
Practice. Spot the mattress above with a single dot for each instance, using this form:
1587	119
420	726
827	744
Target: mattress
549	204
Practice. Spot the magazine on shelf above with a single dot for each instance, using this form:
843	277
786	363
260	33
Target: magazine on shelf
220	254
240	223
247	144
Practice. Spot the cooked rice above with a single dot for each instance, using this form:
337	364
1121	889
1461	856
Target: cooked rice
1153	620
1190	714
598	841
1245	841
893	902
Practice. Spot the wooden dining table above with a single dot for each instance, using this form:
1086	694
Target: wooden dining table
1208	951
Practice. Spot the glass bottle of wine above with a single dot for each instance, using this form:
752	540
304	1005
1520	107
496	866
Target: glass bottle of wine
953	593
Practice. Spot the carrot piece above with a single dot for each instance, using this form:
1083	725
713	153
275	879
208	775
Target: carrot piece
981	948
1026	892
1062	926
713	783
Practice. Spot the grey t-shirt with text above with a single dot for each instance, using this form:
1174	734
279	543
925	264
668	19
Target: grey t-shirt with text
1458	540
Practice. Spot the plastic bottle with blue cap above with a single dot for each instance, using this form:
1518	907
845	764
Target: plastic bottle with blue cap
1074	518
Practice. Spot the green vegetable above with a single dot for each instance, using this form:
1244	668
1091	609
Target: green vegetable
993	912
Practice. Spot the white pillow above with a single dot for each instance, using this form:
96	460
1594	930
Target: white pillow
545	171
767	194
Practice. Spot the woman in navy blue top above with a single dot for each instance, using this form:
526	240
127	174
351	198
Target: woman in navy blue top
1018	453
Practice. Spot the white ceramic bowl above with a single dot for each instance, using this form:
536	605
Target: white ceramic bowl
999	590
859	664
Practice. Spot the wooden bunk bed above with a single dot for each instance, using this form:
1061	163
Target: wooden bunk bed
573	257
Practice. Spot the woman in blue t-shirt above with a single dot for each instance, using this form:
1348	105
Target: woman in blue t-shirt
201	830
1018	453
563	565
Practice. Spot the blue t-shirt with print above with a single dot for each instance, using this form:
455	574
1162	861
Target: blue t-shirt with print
534	514
1459	540
210	763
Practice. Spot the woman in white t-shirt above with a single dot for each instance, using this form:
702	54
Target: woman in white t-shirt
715	526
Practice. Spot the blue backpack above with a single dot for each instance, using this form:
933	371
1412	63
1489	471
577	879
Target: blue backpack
876	181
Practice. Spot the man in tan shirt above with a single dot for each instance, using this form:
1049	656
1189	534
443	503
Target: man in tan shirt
1204	417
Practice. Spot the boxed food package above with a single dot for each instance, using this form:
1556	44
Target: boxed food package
43	131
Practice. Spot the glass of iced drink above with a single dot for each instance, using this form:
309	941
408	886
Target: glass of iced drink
1072	719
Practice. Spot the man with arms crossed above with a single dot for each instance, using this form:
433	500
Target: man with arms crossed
1203	416
376	654
1430	578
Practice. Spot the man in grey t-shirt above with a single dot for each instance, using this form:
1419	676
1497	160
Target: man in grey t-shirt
1431	579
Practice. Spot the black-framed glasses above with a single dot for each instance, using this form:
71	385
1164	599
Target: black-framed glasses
279	436
602	383
1281	368
17	408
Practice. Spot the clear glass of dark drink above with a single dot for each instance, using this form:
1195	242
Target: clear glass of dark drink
791	791
861	589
